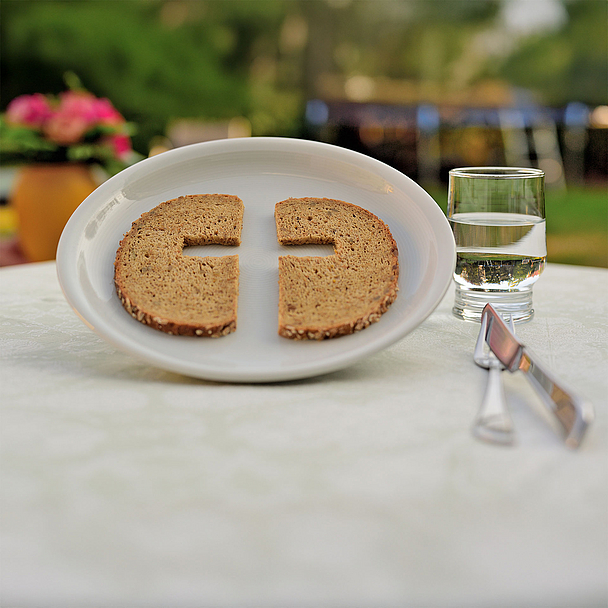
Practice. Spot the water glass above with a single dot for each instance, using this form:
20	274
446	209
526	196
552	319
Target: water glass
497	215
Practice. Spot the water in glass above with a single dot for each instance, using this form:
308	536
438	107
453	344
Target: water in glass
500	241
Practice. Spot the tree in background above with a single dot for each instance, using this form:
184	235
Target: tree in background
569	63
156	60
159	60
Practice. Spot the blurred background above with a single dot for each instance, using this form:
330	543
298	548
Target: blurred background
422	85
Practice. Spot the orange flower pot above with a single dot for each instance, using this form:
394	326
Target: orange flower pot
44	197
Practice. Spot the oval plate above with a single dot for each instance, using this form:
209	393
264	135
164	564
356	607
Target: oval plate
261	171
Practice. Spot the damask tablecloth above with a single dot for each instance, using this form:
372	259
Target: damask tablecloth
125	485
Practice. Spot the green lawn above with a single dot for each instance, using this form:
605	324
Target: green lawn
577	224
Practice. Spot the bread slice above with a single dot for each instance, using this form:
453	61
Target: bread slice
325	297
176	293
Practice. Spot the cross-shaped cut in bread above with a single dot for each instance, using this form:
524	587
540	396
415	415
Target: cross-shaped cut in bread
172	292
325	297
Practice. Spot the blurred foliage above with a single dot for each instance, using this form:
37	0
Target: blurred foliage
159	60
154	60
414	39
163	60
568	64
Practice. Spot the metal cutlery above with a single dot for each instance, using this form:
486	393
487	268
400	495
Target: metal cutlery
493	422
573	412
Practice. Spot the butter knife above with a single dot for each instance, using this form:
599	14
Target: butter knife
573	412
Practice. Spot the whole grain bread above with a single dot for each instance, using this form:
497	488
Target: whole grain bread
176	293
325	297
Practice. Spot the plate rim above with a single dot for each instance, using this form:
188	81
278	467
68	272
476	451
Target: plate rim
67	258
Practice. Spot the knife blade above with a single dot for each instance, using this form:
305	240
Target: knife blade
573	412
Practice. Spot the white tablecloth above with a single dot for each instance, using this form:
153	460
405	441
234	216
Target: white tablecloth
125	485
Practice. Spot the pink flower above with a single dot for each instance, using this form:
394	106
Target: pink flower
106	113
29	110
77	113
65	128
90	108
78	105
71	118
121	145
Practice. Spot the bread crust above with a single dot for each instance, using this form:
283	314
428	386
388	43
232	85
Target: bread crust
371	305
173	328
160	287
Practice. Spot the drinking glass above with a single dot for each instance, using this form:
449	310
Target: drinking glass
497	215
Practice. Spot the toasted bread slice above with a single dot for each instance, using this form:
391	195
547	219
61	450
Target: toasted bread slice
326	297
176	293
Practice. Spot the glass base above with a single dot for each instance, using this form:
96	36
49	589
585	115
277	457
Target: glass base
469	304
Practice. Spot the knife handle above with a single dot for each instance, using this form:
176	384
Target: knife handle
574	413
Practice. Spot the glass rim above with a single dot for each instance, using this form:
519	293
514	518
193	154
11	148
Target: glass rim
496	172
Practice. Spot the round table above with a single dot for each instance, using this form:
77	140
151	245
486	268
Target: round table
125	485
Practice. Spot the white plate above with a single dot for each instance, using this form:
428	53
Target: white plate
261	171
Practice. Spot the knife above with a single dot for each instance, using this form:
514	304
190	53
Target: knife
574	413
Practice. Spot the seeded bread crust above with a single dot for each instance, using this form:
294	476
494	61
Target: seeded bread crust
175	293
337	295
